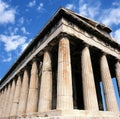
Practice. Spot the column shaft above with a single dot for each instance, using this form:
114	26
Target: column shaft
33	89
89	91
12	90
23	94
3	102
111	103
64	78
16	97
1	105
118	75
7	100
45	100
1	95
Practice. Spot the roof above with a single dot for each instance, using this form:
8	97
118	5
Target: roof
90	21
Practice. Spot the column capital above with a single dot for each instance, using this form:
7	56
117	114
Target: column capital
117	60
47	48
103	53
27	67
86	45
19	73
35	59
64	35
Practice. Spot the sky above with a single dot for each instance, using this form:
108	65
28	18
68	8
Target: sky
22	20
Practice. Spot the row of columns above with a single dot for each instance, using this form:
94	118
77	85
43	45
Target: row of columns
21	97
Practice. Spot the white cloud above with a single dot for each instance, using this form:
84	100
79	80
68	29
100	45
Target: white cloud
21	20
11	30
12	42
40	7
24	46
111	16
89	9
116	35
15	30
23	29
7	59
7	14
70	6
32	3
116	3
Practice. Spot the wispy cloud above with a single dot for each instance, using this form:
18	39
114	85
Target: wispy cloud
40	7
12	42
23	29
89	9
32	3
21	20
7	14
8	59
24	46
116	3
111	16
70	6
116	35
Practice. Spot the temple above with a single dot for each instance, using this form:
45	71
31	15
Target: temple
59	75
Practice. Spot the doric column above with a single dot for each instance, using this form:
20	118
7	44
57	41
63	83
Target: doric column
0	102
45	99
7	100
64	78
89	91
16	97
3	101
1	98
111	103
12	90
24	93
118	74
33	89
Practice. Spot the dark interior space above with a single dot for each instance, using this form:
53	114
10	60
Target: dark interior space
95	59
76	75
54	59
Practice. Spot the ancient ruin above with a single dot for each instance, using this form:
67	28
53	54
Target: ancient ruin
58	75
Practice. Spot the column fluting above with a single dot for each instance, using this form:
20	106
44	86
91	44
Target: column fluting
7	100
110	99
45	99
12	90
89	90
64	78
118	75
16	97
32	101
24	93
